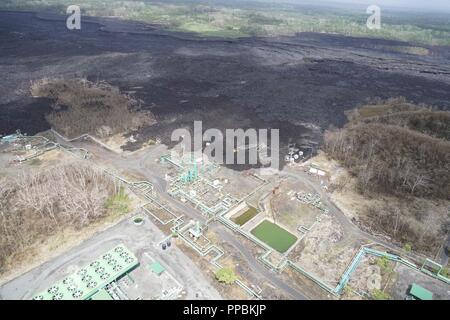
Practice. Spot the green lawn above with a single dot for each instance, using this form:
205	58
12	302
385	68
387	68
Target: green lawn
275	236
246	216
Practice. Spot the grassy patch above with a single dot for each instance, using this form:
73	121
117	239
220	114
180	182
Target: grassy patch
35	162
380	295
120	203
275	236
225	275
419	51
246	216
445	272
380	109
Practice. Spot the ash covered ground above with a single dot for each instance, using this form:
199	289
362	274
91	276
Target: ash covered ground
300	84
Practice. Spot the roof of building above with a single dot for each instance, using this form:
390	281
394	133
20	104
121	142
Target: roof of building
102	295
195	232
420	292
85	282
157	268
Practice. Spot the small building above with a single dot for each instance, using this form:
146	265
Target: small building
9	139
419	293
89	281
196	231
156	268
315	170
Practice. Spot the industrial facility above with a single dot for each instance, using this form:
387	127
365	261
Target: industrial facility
278	218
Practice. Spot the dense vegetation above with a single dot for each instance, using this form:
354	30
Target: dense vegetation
398	112
246	18
398	149
83	107
226	276
393	159
429	122
37	205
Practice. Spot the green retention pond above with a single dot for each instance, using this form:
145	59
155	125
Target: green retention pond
274	236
